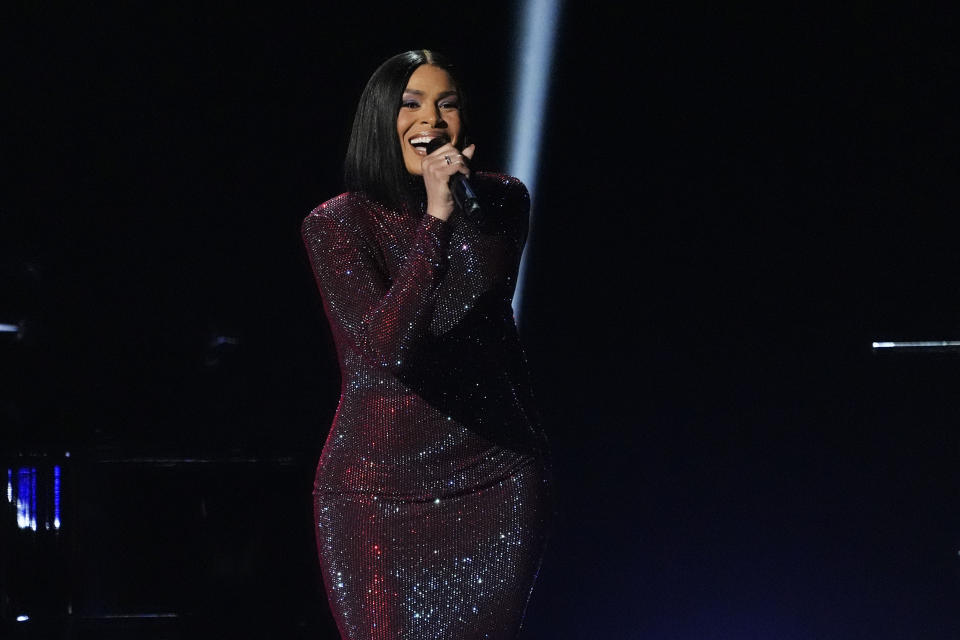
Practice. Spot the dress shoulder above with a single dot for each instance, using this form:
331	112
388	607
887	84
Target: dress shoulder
348	208
501	192
501	186
506	181
505	201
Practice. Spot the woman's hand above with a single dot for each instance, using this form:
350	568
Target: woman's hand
437	169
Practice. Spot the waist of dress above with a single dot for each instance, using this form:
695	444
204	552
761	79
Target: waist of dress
365	479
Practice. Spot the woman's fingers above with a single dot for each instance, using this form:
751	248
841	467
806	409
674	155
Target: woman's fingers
448	160
468	154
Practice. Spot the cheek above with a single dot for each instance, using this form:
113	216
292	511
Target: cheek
403	123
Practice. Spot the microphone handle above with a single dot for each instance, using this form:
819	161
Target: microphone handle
465	197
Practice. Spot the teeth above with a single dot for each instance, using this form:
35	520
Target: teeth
421	140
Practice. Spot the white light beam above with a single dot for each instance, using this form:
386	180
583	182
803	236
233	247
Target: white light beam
531	86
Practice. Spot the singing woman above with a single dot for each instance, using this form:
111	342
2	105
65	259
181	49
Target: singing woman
432	491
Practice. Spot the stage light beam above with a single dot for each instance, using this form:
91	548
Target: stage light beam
531	87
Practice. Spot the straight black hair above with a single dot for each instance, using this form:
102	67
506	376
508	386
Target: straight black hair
374	163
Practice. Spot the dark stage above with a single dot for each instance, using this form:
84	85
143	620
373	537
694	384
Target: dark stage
732	204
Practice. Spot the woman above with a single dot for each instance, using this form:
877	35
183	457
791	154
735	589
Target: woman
431	492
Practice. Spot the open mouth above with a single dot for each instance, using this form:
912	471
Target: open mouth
421	141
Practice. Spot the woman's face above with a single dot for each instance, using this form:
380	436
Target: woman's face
430	108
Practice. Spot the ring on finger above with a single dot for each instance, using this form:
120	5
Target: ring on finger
447	158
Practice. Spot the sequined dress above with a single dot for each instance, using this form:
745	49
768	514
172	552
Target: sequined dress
432	491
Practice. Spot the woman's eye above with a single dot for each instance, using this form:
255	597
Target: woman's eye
410	104
449	105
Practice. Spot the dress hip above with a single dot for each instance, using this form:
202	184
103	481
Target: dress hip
452	567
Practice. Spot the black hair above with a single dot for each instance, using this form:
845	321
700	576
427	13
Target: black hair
374	163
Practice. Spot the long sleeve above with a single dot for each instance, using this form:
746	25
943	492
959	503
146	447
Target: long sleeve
379	316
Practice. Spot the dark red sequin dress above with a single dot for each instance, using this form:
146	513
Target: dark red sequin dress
431	496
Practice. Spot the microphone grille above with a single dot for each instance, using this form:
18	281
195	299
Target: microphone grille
436	143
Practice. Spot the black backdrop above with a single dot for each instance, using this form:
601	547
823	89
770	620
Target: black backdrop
732	204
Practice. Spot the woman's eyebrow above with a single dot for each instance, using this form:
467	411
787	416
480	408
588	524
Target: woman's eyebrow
417	92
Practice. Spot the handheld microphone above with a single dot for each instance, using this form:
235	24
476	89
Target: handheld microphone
463	193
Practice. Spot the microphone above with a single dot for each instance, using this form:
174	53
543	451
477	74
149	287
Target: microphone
463	193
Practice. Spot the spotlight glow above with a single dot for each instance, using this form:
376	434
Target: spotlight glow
9	328
531	85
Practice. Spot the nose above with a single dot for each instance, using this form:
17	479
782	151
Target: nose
434	118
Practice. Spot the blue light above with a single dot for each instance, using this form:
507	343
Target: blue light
531	85
27	498
56	497
33	499
23	618
9	328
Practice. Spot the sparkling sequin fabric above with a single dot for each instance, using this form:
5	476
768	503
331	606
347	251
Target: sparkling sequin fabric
431	496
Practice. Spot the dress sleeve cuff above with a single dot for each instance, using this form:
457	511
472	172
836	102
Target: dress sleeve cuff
437	228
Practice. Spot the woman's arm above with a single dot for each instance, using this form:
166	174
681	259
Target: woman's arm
379	318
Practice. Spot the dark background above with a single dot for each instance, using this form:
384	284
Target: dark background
732	204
